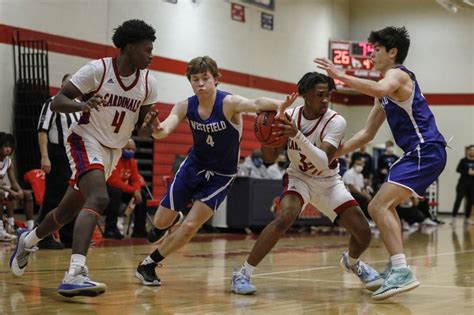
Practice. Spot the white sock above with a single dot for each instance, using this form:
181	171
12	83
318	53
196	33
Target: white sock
31	239
11	221
352	261
30	224
77	260
398	261
247	269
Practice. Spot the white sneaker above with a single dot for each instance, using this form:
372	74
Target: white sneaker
79	284
429	222
7	237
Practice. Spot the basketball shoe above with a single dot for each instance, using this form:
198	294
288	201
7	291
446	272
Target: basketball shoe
79	284
370	277
398	280
240	283
156	235
147	275
19	258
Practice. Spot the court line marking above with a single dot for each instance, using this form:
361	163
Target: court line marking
351	282
371	262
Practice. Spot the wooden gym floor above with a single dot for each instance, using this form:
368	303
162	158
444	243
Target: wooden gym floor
301	275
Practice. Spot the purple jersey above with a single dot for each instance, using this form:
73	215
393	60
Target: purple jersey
411	121
216	141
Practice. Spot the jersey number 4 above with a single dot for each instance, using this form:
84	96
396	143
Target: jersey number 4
210	141
118	120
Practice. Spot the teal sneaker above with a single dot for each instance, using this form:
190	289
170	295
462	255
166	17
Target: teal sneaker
240	284
370	277
398	280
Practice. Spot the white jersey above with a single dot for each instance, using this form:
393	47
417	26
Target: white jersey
4	166
113	124
330	127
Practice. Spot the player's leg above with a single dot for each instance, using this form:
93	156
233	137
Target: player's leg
383	210
76	282
164	219
198	215
290	206
354	221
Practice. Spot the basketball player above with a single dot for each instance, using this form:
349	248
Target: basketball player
399	99
122	96
207	173
315	132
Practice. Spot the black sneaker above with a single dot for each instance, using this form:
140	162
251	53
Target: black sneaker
147	275
114	234
155	234
139	234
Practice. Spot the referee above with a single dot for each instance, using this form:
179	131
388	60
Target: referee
52	134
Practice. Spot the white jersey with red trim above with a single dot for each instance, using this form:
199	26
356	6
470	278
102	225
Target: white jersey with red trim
112	124
330	127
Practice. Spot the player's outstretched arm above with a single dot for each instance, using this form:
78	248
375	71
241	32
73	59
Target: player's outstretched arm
245	105
177	114
364	136
390	83
65	102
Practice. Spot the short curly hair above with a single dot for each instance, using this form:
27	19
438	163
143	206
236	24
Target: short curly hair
131	32
310	79
7	140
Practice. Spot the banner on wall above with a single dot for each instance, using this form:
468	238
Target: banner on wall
267	21
237	12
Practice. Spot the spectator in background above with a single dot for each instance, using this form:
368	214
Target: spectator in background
277	169
367	172
124	184
52	134
465	186
385	161
355	183
242	169
12	191
256	167
344	162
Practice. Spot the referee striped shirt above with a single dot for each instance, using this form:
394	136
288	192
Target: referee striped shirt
56	124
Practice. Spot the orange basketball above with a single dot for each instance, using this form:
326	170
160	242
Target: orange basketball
264	131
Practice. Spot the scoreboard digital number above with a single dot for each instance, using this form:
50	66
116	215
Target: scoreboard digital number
354	58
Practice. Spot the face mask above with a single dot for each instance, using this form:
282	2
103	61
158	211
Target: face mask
281	164
358	168
128	154
257	161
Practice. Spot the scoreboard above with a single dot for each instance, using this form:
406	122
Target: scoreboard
354	58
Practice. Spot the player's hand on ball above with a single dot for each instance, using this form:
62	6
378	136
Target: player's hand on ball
290	99
286	126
